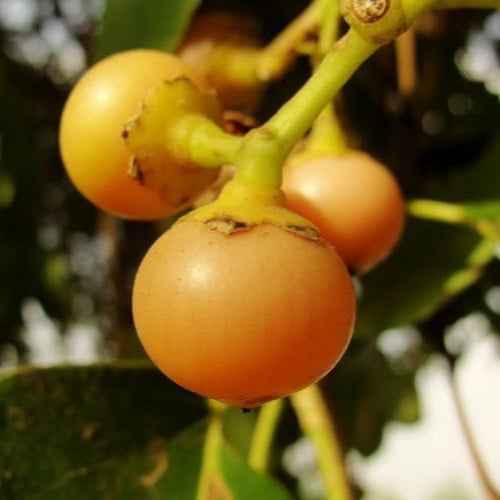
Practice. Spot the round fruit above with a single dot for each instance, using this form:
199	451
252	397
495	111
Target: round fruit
355	202
242	318
224	48
93	150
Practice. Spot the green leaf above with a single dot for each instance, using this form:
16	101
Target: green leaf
365	393
487	209
432	263
482	216
245	483
476	183
155	24
116	431
435	260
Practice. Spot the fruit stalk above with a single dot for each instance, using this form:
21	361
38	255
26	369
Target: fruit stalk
204	142
260	447
316	423
275	58
451	213
295	117
264	149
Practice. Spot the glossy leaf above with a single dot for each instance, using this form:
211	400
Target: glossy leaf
156	24
244	483
435	260
489	209
365	392
116	431
399	293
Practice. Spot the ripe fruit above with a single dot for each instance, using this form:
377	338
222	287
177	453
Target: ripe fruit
224	48
94	152
243	312
354	200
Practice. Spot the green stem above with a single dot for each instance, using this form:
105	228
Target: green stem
259	65
317	425
276	57
295	117
451	213
213	440
473	267
326	135
260	155
203	142
264	149
329	28
437	210
267	421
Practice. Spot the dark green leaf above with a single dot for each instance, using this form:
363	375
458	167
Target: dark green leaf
365	393
476	183
114	431
488	209
155	24
245	483
433	262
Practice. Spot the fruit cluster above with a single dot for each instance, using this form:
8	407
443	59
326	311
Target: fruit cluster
249	297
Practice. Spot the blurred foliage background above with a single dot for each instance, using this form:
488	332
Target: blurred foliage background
66	265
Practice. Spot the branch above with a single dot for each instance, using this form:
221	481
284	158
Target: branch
488	485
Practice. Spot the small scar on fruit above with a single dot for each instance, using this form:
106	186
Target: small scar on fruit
307	232
227	225
134	171
252	404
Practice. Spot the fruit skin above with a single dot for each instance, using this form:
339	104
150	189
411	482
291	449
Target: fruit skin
354	200
93	150
224	47
242	318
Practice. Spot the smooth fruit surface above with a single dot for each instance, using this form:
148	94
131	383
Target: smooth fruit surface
355	202
92	147
244	318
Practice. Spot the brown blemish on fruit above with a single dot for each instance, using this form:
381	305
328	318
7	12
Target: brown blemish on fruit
134	171
227	225
247	405
253	403
370	11
307	232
